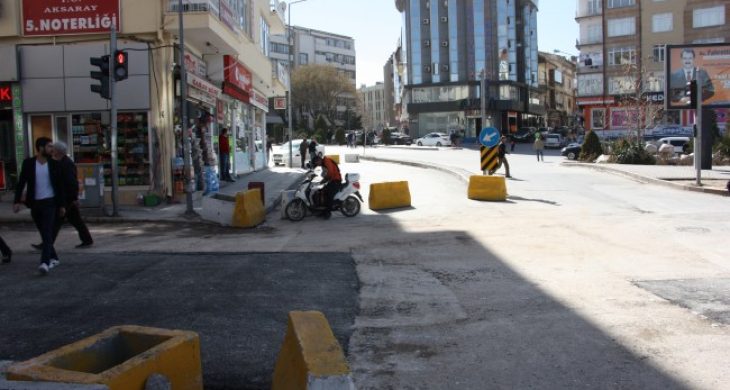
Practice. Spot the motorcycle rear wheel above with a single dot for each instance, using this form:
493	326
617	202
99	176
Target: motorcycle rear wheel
296	210
350	207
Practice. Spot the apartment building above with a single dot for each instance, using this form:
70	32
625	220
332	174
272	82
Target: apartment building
46	55
373	106
557	83
448	46
622	55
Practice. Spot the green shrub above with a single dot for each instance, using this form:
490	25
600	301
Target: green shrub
591	148
386	137
320	136
340	136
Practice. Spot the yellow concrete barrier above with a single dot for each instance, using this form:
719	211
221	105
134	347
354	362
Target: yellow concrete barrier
122	358
335	157
487	188
249	210
310	357
389	195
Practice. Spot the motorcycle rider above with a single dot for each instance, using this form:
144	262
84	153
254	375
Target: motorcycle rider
333	178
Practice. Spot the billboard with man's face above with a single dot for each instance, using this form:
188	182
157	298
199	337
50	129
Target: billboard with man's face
708	64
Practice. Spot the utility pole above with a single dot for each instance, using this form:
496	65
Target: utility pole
184	115
483	95
113	109
698	126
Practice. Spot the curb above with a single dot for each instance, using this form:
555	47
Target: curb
460	174
652	180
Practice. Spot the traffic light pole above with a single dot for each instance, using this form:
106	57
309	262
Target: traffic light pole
113	109
187	163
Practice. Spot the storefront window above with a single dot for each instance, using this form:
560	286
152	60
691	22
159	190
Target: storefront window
92	144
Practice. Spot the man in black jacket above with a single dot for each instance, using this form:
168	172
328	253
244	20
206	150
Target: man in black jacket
71	188
45	197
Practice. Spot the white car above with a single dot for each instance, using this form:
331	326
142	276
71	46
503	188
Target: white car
434	139
679	143
553	141
281	155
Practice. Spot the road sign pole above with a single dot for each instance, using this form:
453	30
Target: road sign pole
114	131
483	96
698	138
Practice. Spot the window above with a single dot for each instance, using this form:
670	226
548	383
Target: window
620	27
303	58
590	84
621	56
662	22
265	41
659	53
620	3
594	33
598	118
279	48
706	17
594	7
621	85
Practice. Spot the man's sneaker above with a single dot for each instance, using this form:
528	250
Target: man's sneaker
43	269
85	244
53	264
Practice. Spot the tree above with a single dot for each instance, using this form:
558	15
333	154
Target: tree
591	148
316	90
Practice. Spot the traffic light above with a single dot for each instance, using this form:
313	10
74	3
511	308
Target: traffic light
103	76
692	93
121	65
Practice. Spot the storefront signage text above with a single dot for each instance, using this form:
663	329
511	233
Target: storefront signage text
237	74
204	86
6	95
279	103
260	101
195	65
63	17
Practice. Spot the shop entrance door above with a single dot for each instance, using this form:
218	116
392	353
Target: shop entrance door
40	126
62	132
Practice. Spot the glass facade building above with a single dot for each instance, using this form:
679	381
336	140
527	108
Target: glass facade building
449	45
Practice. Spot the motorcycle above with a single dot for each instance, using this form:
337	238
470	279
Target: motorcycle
308	198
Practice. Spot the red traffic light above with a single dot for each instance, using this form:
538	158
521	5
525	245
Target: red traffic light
121	57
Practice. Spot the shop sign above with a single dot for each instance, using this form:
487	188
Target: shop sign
204	86
279	103
6	96
202	97
654	97
237	74
195	65
220	111
64	17
18	122
260	101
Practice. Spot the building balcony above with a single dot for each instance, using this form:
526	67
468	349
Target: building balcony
207	22
585	14
588	41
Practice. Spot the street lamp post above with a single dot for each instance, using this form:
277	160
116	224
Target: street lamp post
291	64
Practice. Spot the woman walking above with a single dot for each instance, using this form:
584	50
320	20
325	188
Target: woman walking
539	147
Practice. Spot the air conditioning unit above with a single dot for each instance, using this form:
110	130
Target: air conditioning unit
445	68
444	19
426	21
427	69
444	43
427	42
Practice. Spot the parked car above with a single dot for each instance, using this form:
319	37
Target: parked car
679	143
434	139
281	155
525	134
572	151
553	141
398	138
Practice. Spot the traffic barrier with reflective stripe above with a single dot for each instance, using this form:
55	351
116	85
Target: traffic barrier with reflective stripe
491	188
389	195
122	358
249	210
310	356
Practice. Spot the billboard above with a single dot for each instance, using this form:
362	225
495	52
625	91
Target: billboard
63	17
709	64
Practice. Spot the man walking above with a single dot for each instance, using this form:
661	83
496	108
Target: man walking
45	197
303	147
224	151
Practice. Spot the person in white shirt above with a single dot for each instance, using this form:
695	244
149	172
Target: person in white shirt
45	197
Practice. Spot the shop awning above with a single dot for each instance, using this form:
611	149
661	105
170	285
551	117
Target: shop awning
274	119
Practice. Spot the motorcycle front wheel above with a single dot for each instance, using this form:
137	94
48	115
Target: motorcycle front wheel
296	210
350	207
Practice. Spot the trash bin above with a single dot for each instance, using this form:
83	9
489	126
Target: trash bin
260	185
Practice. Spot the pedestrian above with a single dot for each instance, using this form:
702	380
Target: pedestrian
312	151
503	157
224	151
45	197
512	143
539	147
71	188
5	250
269	149
452	138
303	151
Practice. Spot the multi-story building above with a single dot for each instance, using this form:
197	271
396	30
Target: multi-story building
622	56
312	46
557	83
389	92
373	106
450	45
45	62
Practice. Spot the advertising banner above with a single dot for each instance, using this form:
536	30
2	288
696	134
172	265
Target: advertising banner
237	74
709	64
64	17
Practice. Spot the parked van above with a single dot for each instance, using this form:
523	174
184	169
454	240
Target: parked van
679	143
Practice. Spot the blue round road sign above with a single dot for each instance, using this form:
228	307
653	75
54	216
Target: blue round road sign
489	137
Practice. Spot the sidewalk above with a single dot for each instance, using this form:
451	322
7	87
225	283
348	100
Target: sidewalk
275	180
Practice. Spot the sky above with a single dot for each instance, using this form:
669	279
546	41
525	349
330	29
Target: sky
375	25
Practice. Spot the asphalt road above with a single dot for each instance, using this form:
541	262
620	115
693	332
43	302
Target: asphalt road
575	282
237	303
